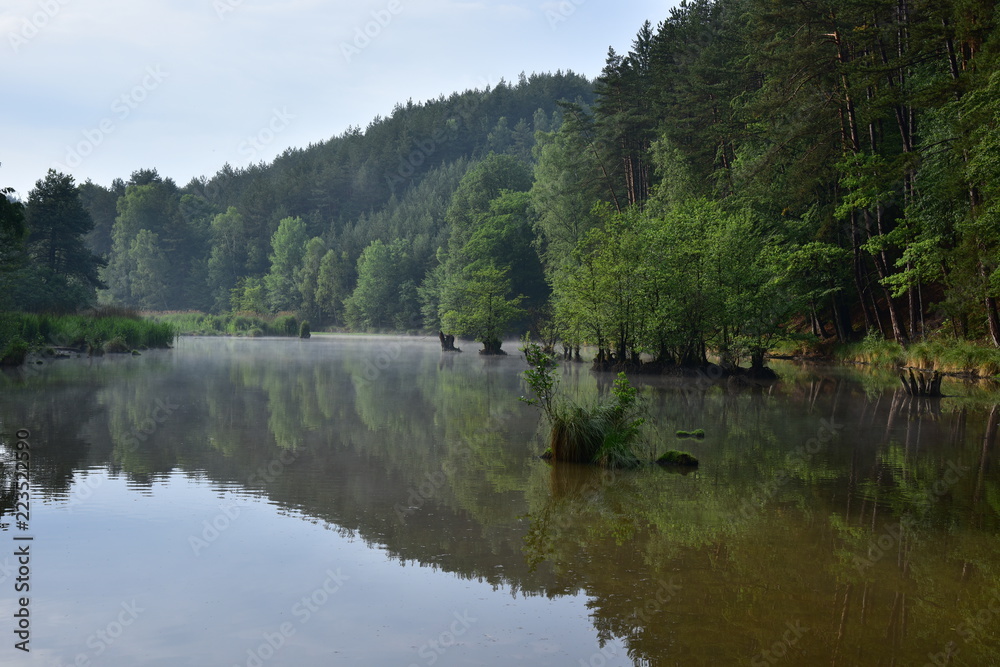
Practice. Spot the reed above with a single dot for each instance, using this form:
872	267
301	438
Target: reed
121	332
230	324
607	433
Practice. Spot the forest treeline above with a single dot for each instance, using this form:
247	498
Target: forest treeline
747	167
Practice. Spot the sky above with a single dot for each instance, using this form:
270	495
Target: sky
100	88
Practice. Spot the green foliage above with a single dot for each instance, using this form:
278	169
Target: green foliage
383	297
232	324
677	458
608	433
333	285
286	325
154	247
229	255
288	245
673	284
540	376
121	332
746	170
480	307
874	350
44	262
249	296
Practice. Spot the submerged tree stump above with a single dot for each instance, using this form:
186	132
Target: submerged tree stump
492	347
920	385
447	342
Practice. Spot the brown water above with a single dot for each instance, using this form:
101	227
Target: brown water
372	501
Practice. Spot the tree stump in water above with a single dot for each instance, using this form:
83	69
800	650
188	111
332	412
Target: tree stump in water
492	347
447	342
919	385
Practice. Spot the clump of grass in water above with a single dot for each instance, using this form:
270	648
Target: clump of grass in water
606	433
874	350
676	458
697	433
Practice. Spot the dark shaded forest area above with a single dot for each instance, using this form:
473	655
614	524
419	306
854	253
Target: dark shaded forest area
749	167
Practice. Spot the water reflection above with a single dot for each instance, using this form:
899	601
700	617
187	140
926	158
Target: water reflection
833	519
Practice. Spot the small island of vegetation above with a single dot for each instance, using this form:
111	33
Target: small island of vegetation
608	433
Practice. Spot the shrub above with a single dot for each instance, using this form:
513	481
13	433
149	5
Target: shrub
606	433
13	352
304	330
285	325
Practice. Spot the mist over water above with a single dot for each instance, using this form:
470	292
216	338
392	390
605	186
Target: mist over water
372	501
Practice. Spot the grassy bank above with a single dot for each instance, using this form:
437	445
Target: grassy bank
231	324
106	330
948	356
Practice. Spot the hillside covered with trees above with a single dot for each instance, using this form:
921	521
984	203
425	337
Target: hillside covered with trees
748	166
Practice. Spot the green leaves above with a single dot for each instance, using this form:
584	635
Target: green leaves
480	307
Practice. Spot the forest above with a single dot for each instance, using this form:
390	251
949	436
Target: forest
749	170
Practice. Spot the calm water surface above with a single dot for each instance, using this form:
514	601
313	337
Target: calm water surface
371	501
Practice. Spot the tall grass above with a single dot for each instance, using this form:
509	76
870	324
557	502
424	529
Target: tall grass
607	433
230	324
958	356
945	355
874	350
95	331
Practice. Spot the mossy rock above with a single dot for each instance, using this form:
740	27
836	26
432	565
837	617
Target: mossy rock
676	458
697	433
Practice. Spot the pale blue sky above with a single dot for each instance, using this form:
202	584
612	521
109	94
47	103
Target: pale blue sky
100	88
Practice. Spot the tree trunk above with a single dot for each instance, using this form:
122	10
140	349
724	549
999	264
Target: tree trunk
492	347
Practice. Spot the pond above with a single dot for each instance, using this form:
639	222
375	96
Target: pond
373	501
